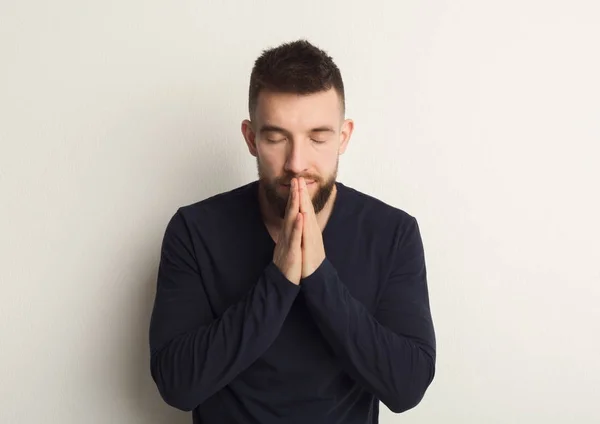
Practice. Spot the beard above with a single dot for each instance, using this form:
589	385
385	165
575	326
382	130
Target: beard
278	202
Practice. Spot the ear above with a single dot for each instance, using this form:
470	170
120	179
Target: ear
249	136
345	134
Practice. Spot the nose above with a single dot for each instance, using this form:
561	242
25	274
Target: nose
296	160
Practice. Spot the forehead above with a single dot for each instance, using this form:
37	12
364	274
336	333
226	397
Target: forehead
297	111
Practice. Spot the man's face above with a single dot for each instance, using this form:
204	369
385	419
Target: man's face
297	136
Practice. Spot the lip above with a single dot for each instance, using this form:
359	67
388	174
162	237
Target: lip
288	185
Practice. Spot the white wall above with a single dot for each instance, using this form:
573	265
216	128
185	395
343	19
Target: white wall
481	118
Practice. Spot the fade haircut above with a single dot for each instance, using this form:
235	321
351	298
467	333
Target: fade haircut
295	67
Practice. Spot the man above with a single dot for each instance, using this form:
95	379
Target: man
294	298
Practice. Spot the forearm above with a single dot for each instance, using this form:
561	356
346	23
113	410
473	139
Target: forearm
397	369
194	365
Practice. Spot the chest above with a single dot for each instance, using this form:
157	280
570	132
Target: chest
231	274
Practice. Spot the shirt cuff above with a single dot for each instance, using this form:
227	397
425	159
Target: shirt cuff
274	274
324	272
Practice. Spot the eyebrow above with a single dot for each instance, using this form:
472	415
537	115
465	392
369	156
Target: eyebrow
275	128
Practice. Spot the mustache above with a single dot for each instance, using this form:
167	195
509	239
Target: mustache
288	180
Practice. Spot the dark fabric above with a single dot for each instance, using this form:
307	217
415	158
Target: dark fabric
236	342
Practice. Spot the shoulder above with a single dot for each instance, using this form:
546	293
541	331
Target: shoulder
372	211
221	203
381	224
217	211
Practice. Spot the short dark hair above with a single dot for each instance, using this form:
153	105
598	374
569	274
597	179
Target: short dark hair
294	67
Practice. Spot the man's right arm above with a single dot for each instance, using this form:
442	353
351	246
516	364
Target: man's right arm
194	355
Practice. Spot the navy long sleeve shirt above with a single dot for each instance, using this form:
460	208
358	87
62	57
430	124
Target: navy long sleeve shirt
234	341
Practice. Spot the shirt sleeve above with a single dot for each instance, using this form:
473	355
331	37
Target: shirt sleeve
193	353
391	353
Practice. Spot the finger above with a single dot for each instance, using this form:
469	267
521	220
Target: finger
310	219
305	203
296	238
292	203
290	198
293	207
295	197
307	210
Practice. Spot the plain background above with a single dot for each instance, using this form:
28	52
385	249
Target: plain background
480	118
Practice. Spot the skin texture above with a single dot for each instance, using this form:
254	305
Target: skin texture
297	136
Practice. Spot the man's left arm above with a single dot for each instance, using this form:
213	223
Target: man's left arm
391	353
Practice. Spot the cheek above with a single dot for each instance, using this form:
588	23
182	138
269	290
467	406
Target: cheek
270	161
326	163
